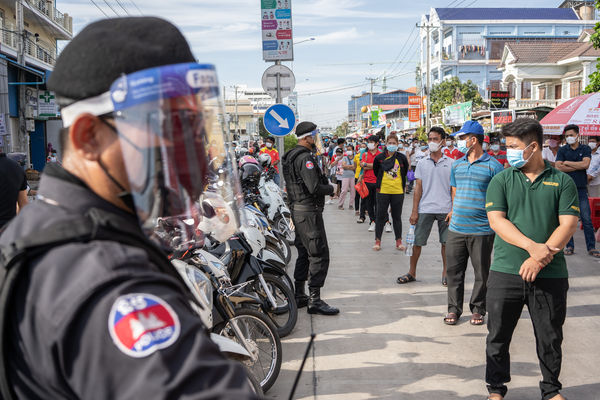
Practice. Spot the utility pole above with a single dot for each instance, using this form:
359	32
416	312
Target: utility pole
384	86
23	137
280	139
428	85
237	117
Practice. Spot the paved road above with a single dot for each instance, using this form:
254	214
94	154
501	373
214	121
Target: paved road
389	342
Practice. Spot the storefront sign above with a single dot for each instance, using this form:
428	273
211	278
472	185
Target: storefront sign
499	99
277	37
414	108
501	118
458	114
47	106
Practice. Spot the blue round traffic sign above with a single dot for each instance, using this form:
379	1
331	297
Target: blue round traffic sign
279	120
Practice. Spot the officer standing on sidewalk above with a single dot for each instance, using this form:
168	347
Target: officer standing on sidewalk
307	188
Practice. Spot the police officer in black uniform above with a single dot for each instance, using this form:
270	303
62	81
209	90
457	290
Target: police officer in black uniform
109	318
307	188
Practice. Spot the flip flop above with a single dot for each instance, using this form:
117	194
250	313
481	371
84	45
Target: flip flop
406	278
594	253
444	281
476	319
451	319
568	251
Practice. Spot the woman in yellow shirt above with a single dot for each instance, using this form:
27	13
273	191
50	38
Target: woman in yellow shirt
358	203
390	168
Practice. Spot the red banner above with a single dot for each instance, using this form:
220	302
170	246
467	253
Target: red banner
414	108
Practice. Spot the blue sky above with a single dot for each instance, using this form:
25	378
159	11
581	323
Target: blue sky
354	39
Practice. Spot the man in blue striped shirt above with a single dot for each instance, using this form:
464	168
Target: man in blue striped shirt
470	235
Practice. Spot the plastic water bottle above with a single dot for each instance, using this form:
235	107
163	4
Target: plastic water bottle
410	241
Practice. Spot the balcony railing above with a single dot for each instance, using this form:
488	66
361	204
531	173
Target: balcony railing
46	8
528	103
10	39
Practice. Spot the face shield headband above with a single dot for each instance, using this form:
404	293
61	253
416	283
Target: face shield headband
318	145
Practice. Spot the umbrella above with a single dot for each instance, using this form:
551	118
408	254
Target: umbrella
583	111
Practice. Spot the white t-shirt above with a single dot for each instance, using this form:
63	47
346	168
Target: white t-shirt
548	155
594	169
418	156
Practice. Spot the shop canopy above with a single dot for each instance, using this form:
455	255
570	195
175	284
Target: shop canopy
583	111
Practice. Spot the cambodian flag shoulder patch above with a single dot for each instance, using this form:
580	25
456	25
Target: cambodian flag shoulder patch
141	323
310	165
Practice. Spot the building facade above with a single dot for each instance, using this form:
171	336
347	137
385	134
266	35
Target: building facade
469	42
30	30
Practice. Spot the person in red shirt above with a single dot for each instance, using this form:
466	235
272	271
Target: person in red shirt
366	163
498	154
450	151
270	150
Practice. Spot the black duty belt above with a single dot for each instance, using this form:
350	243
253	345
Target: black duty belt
304	207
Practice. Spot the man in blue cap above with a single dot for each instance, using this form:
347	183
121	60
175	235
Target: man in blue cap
469	232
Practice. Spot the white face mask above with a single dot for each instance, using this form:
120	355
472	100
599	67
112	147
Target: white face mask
495	147
269	144
449	143
593	145
571	140
349	153
484	146
371	146
433	147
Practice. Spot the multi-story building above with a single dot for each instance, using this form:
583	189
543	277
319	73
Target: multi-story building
396	100
469	42
251	105
30	30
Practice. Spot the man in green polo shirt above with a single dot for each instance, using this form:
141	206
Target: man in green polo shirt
534	209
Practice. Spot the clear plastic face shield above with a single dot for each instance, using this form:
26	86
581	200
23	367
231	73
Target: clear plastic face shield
179	164
318	147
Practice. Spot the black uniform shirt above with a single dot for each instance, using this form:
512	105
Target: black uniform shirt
306	183
98	320
12	181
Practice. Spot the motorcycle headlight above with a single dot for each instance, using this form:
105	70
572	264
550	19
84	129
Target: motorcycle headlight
197	282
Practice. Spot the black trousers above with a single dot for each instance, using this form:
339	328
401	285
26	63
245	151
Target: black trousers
546	300
357	205
371	201
458	250
394	201
313	252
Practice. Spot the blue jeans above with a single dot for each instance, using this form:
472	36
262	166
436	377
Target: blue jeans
276	179
586	220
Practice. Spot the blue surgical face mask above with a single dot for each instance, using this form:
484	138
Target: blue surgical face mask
423	148
515	157
392	147
462	146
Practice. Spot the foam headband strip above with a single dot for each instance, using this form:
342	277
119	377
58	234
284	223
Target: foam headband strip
98	105
307	134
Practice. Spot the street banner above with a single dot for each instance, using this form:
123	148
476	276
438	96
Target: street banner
499	99
458	114
276	24
501	118
414	108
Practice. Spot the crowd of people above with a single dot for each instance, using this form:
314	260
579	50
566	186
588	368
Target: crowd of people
512	225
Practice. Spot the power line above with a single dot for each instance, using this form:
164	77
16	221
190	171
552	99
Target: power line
121	5
402	49
111	7
101	10
135	5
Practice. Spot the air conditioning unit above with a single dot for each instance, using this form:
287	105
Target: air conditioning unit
30	125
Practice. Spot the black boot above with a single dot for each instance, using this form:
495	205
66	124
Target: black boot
318	306
301	297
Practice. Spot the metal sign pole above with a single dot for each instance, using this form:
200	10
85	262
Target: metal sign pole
280	139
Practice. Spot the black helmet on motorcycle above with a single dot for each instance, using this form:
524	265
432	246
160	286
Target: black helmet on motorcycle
265	160
250	173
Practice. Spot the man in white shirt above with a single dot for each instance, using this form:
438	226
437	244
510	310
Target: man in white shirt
549	153
593	171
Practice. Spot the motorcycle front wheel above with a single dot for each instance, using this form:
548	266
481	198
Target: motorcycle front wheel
285	315
284	247
286	227
259	336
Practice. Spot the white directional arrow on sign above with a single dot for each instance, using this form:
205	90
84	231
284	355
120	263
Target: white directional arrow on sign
283	123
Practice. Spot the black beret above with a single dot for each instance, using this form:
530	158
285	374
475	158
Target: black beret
106	49
305	127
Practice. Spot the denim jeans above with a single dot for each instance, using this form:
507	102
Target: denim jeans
586	220
276	179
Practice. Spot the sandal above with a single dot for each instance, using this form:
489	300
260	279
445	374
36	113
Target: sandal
476	319
406	278
568	251
377	245
445	281
594	253
451	319
399	245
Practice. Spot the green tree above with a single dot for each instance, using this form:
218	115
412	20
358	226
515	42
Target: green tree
342	129
452	91
594	85
262	131
289	142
